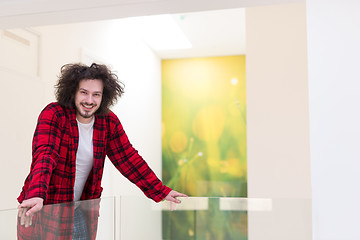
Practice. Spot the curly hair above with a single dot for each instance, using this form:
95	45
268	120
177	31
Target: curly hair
72	74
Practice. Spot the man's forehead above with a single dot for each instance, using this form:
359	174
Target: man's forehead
91	85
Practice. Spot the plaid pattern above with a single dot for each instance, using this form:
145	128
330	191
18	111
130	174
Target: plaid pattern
80	228
55	142
58	221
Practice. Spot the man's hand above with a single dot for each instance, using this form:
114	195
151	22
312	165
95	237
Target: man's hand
27	208
172	196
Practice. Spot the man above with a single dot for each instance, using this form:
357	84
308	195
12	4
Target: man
74	135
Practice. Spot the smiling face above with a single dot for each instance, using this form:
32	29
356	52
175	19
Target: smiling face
88	99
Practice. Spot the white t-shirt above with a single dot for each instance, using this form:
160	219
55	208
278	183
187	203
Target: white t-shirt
84	157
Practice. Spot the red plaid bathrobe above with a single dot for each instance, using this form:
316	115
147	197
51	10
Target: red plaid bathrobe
55	142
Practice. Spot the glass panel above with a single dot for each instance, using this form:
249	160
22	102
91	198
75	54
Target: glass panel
138	218
217	218
91	219
8	220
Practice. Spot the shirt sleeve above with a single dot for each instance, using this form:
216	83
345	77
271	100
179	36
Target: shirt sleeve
128	161
45	152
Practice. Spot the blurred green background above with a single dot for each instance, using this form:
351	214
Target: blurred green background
204	143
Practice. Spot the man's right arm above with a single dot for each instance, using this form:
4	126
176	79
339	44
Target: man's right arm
46	142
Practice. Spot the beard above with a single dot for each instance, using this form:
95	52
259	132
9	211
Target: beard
84	113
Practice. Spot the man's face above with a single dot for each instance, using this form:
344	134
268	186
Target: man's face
88	98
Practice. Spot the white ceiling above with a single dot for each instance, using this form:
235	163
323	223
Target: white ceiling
214	27
211	33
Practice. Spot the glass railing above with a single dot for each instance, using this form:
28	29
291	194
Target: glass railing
90	219
138	218
216	218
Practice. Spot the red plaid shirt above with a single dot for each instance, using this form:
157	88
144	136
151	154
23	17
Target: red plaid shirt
56	221
55	142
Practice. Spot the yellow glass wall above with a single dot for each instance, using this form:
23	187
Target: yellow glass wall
204	137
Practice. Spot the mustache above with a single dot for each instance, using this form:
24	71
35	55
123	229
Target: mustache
89	104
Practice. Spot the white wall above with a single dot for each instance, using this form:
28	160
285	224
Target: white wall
277	121
139	109
277	102
21	100
333	49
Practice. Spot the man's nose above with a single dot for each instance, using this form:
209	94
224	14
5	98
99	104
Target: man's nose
89	98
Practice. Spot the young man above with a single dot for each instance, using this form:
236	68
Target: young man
75	134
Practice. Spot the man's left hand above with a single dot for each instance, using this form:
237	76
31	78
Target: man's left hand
172	196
